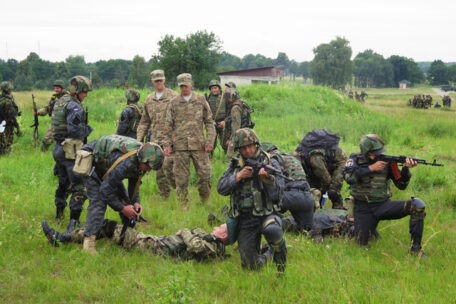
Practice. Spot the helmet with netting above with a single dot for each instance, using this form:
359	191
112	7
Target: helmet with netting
244	137
6	86
371	143
80	84
132	95
152	155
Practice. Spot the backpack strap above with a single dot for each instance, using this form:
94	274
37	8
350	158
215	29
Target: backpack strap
138	109
114	165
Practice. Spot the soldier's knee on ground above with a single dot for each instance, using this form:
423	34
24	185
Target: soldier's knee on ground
272	230
416	208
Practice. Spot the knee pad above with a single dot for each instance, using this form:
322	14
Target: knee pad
416	208
272	230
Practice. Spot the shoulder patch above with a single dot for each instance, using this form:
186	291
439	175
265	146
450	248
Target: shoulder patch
349	163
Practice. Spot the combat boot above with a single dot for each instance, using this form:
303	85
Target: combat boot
54	237
89	244
59	214
418	251
75	214
44	147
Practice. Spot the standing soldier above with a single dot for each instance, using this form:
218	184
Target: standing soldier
131	115
363	95
218	109
59	91
187	115
350	94
8	113
69	128
239	117
153	119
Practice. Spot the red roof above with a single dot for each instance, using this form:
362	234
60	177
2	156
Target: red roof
273	71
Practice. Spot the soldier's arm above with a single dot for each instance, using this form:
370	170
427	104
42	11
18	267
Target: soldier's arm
109	188
209	123
337	178
76	129
403	181
318	163
124	121
169	125
144	124
274	190
43	111
236	114
227	183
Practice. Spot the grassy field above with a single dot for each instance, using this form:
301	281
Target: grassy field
337	271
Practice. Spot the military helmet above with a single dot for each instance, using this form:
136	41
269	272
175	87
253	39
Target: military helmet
244	137
80	84
152	155
231	95
132	95
214	82
371	143
59	83
6	86
268	147
231	85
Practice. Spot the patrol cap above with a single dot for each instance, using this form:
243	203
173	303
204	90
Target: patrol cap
157	75
184	79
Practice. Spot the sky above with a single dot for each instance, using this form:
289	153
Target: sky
111	29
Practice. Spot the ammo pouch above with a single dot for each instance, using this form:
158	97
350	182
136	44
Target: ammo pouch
83	163
71	146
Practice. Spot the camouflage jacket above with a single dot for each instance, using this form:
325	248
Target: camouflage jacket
214	102
154	117
47	110
185	121
8	108
325	171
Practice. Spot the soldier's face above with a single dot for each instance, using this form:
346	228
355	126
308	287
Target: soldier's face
159	85
144	167
248	151
221	232
58	90
186	89
82	95
215	90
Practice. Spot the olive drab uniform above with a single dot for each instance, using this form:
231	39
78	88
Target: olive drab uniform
371	192
218	107
8	113
238	118
255	204
154	119
69	128
47	110
129	120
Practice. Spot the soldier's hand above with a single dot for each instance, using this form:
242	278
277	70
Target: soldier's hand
263	173
377	166
138	208
167	152
208	148
246	172
410	163
227	143
221	124
129	211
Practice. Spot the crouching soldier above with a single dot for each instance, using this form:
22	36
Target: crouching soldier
369	180
254	197
116	158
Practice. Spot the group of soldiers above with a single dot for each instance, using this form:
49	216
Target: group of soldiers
358	97
262	181
420	101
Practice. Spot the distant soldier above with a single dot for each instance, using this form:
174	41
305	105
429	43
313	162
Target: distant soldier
59	91
357	96
446	100
8	122
131	115
437	105
70	128
218	109
350	94
409	103
153	121
187	116
363	95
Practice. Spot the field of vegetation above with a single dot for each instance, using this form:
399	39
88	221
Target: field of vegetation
336	271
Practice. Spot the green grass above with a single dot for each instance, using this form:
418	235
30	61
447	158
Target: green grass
337	271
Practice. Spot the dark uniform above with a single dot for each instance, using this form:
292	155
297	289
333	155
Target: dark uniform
218	107
131	115
8	112
371	192
255	204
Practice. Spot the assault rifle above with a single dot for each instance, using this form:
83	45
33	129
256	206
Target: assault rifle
36	135
401	159
87	121
256	165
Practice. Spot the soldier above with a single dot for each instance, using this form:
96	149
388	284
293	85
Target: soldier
369	181
116	158
59	91
69	129
131	115
357	96
8	121
239	117
363	95
153	120
323	161
230	85
296	196
186	244
350	94
218	109
255	202
185	118
446	100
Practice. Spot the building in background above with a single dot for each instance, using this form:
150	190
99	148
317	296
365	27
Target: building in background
269	75
404	84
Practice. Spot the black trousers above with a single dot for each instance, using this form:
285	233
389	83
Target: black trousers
300	203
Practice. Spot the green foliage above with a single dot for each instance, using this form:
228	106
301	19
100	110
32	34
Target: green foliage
372	70
139	72
405	69
438	73
177	290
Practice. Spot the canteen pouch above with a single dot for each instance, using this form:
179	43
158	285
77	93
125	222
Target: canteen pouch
83	162
71	146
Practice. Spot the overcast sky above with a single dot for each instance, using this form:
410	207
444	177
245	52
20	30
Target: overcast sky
106	29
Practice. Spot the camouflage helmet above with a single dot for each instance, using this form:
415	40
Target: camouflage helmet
132	95
244	137
268	147
231	85
214	82
59	83
152	155
371	143
6	86
231	95
80	84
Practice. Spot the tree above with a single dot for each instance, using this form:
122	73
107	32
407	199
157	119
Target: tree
372	70
438	73
293	68
331	65
452	73
282	59
197	54
139	74
76	65
303	69
405	68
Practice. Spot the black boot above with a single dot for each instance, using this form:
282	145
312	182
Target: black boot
75	214
53	236
60	213
280	257
416	231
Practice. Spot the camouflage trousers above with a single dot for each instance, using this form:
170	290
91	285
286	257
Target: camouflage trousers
220	137
165	177
181	170
230	151
6	138
48	137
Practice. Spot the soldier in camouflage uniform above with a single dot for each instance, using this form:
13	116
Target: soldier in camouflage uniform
296	196
230	85
8	113
69	128
131	115
239	117
186	116
255	202
186	244
218	108
446	101
363	95
153	120
369	181
116	158
350	94
59	91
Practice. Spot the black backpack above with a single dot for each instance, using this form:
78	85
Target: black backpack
318	139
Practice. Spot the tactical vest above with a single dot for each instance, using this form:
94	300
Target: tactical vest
134	123
292	167
248	198
110	143
373	187
54	98
246	121
8	107
214	104
59	123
